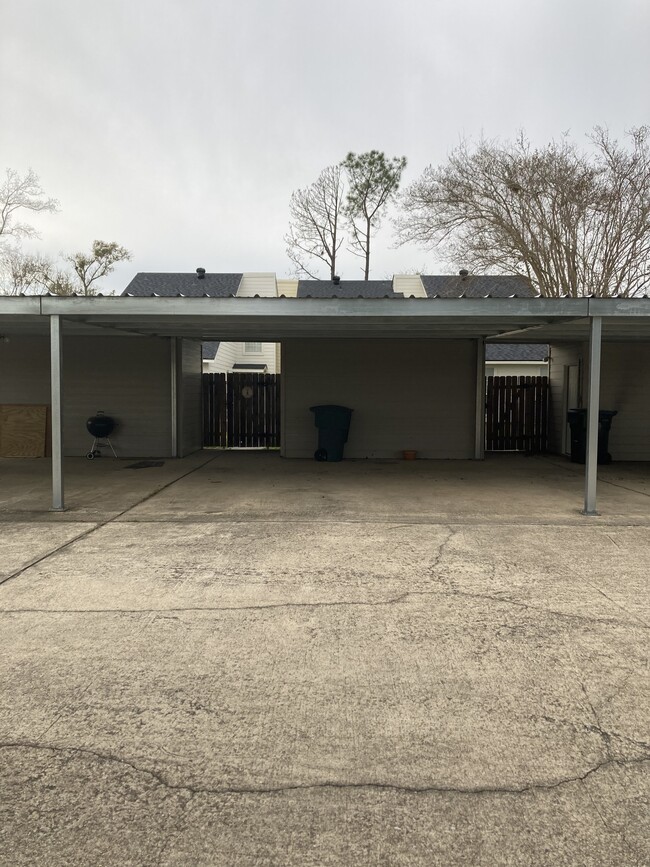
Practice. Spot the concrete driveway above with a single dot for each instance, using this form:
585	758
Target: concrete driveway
239	660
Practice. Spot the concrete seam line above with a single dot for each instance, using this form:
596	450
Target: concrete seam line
101	524
600	478
326	784
569	523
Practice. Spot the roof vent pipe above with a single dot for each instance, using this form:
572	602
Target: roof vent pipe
200	273
464	273
336	280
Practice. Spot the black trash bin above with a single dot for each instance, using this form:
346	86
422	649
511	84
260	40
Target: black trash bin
577	419
333	423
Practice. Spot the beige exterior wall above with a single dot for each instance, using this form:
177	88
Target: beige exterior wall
126	377
625	386
562	356
406	394
190	394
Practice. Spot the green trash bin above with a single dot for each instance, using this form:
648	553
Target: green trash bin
577	419
333	423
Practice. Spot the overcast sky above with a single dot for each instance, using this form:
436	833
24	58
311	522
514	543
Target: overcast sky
180	129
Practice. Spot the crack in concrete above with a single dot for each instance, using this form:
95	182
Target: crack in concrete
402	597
584	728
618	605
325	784
604	736
619	689
615	832
451	533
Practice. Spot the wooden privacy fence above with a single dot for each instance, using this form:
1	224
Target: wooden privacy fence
516	414
241	410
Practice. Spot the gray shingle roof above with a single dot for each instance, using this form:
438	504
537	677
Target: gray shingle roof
477	286
516	351
209	349
347	289
147	283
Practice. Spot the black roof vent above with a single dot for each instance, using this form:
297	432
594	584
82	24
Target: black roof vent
464	273
200	273
336	280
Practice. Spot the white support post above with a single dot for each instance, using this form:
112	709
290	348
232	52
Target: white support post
479	440
56	356
593	407
174	396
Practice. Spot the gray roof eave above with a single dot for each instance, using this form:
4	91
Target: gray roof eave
525	320
123	306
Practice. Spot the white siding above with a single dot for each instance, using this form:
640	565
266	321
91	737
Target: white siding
262	284
265	285
288	288
224	360
126	377
406	394
516	368
409	284
191	420
266	355
229	354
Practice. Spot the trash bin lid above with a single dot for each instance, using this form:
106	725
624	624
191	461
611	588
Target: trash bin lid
330	406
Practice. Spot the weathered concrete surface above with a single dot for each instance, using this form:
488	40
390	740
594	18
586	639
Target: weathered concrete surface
276	681
94	490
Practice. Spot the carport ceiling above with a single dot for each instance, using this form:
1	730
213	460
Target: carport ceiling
543	320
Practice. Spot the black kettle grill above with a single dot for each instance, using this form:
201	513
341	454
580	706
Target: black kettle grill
100	427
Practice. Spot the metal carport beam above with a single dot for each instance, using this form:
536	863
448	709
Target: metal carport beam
56	381
593	407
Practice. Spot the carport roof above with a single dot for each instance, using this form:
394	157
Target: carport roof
525	320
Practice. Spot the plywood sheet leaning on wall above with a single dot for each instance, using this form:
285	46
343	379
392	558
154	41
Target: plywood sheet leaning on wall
22	430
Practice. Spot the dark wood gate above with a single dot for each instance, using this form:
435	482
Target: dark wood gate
241	410
516	414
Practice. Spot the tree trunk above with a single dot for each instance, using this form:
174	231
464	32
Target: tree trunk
367	274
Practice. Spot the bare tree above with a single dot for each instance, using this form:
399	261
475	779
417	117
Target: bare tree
23	273
59	282
32	274
21	194
101	262
373	181
573	222
314	234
